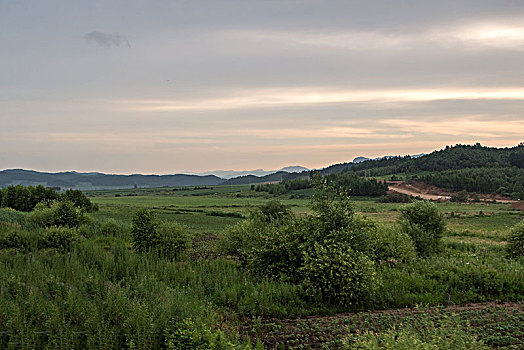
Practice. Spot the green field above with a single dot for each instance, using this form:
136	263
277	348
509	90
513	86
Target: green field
103	294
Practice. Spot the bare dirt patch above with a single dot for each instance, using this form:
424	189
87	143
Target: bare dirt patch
425	191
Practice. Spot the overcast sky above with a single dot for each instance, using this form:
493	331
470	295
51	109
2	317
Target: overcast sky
171	86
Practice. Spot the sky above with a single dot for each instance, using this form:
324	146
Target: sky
173	86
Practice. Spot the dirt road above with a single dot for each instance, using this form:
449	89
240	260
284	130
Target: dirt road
424	191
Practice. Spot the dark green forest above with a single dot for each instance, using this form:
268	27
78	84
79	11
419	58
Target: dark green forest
474	168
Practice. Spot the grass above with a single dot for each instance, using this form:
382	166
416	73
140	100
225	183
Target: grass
101	294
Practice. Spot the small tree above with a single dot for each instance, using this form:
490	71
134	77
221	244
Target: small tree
79	199
172	240
339	273
143	230
515	247
422	221
65	214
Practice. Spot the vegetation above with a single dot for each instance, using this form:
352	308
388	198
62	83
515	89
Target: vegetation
474	168
152	269
515	247
347	182
424	224
23	198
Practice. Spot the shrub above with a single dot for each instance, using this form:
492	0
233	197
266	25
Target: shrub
338	273
111	228
240	239
62	213
8	215
60	238
422	221
143	230
277	253
15	238
274	211
460	197
515	246
66	214
79	199
325	251
388	243
43	215
171	239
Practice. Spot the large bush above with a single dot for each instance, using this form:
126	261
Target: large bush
242	238
324	251
62	213
389	244
143	230
172	239
60	238
12	237
111	228
338	273
168	239
422	221
80	200
515	247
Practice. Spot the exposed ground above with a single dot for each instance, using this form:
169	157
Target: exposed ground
425	191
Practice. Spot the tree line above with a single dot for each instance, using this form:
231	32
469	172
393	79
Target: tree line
25	199
346	181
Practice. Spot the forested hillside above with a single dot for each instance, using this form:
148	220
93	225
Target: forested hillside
473	168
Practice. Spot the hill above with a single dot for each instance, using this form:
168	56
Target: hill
474	168
252	179
229	174
92	181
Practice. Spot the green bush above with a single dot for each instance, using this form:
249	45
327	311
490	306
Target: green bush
62	213
66	214
143	230
422	221
8	215
325	252
274	211
168	239
79	199
111	228
240	239
338	273
389	244
43	215
515	246
60	238
171	239
277	253
16	238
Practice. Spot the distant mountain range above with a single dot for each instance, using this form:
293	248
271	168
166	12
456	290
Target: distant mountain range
99	181
229	174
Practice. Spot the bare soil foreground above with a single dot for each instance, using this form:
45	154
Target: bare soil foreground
498	325
425	191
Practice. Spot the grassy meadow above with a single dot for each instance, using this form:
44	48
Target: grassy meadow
103	294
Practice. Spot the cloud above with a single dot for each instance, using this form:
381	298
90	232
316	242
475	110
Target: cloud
474	34
107	40
314	96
